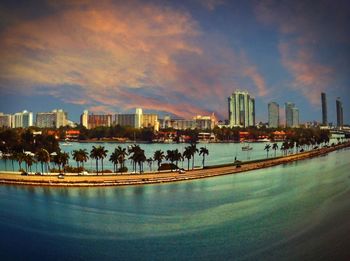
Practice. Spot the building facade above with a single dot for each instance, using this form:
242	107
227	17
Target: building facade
53	119
102	120
339	108
274	114
22	119
84	119
324	108
5	120
241	109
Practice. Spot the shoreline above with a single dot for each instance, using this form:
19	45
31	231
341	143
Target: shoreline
73	180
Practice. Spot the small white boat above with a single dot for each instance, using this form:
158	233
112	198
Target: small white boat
66	144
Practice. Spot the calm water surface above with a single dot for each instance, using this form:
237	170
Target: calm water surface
299	211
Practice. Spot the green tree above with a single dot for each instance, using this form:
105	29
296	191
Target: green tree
203	151
194	150
267	148
133	152
122	154
188	155
94	154
158	156
114	158
43	157
275	147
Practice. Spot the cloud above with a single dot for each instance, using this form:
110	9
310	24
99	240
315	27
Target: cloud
311	37
122	56
310	78
211	4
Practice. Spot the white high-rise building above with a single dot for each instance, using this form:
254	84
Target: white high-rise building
138	118
22	119
241	109
54	119
84	119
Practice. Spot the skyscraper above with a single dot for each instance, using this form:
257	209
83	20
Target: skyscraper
339	108
274	116
292	115
324	108
295	121
241	109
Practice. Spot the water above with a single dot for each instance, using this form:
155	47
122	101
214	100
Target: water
298	211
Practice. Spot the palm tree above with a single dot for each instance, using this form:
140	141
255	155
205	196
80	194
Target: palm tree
149	162
64	160
122	153
102	155
170	156
57	159
43	157
285	147
134	150
20	158
275	147
94	154
177	156
83	156
203	151
194	150
267	148
140	159
75	154
29	160
188	155
114	158
158	156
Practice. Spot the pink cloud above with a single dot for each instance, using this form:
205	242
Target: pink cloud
310	77
106	48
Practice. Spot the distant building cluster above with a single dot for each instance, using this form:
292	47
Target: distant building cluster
24	119
241	113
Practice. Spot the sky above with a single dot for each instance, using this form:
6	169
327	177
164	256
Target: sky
174	57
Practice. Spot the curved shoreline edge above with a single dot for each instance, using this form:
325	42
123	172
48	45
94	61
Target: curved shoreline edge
14	178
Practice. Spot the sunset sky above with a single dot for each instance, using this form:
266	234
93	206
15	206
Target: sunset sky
178	57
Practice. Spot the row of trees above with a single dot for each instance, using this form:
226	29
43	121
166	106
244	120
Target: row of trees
118	157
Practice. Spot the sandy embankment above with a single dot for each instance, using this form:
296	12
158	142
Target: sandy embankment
155	177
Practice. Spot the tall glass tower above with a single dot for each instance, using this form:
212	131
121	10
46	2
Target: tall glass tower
274	115
339	108
324	108
292	115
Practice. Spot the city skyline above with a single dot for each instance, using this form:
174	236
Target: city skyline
113	56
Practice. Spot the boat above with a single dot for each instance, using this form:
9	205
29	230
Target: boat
66	144
246	148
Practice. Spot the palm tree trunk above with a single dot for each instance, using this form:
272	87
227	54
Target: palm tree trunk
102	165
96	166
188	164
